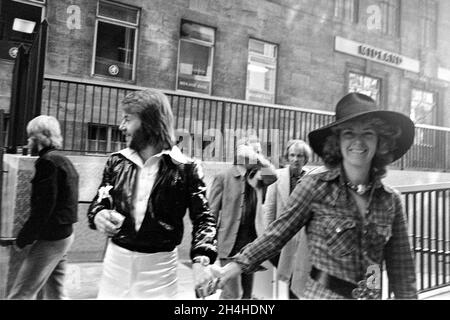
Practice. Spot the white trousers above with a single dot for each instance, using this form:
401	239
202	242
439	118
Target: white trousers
135	275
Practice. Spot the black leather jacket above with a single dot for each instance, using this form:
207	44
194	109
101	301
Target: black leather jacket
178	186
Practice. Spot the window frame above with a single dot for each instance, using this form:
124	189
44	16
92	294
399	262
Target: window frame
435	95
109	134
42	5
380	79
121	23
341	8
390	26
429	21
275	67
211	47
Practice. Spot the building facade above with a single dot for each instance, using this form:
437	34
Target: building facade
303	54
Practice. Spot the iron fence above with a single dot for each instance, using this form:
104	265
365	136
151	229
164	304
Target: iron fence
427	209
207	127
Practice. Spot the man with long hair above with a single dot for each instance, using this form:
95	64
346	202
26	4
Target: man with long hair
143	197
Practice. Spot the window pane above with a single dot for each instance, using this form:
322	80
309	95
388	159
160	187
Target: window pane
365	85
195	57
117	135
194	73
423	107
261	71
346	10
194	31
118	12
115	50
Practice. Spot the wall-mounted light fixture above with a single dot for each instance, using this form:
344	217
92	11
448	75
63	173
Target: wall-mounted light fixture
22	25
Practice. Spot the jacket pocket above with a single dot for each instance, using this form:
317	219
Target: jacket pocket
341	235
377	235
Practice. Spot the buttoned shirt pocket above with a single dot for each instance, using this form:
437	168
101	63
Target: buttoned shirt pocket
378	234
341	235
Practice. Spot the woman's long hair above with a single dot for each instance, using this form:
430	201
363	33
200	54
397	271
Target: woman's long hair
387	137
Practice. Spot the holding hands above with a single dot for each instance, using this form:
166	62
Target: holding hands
216	277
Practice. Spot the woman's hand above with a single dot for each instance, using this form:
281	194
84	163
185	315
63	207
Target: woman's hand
225	273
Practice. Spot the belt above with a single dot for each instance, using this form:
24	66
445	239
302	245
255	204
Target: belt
339	286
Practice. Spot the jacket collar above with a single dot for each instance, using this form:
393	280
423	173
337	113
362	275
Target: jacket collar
336	173
174	154
238	171
45	150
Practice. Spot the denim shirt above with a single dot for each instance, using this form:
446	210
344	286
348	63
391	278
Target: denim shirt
342	242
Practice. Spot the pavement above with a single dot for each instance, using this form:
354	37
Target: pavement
83	278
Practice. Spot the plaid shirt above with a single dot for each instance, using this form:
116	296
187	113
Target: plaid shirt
342	242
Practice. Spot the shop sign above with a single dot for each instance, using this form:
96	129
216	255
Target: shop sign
372	53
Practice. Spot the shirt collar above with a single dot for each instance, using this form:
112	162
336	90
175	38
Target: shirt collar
174	154
336	172
300	174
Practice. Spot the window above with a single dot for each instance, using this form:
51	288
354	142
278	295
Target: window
104	138
346	10
16	17
390	17
364	84
423	107
195	57
115	40
429	9
261	71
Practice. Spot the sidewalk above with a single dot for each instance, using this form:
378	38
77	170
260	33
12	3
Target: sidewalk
83	278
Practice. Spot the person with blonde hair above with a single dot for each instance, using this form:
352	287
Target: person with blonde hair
54	205
292	264
354	222
145	192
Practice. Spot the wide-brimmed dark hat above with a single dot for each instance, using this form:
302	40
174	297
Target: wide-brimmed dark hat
356	105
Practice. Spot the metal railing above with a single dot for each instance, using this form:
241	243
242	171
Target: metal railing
428	211
207	127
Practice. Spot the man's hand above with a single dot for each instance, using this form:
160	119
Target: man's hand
105	223
246	155
203	280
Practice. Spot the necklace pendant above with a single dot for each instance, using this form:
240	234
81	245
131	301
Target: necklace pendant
360	189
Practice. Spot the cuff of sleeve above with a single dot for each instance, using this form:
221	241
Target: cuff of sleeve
245	265
91	216
208	252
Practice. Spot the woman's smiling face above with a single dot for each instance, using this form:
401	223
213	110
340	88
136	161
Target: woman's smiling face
358	143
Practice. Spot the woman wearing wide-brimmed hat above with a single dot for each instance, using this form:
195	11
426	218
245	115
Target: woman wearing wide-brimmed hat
353	221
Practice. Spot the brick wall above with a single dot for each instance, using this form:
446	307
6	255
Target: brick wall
310	73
